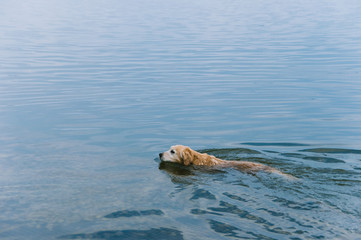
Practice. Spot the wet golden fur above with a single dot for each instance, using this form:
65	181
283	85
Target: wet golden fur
186	156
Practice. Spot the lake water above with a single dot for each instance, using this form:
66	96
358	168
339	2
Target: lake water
92	91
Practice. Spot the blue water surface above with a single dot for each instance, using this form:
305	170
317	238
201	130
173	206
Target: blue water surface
91	91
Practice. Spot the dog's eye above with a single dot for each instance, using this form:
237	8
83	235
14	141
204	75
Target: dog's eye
172	151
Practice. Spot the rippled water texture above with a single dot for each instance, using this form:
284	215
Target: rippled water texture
92	91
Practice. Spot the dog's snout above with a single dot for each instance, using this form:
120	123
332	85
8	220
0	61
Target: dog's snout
160	155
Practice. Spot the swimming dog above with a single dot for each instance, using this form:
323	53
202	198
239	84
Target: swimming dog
187	156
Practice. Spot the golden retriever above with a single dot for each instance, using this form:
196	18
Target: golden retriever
186	156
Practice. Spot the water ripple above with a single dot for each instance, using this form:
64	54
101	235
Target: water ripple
92	91
154	233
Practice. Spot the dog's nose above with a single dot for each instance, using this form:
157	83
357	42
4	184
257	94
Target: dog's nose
160	155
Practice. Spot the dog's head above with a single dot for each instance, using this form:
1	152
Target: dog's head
178	154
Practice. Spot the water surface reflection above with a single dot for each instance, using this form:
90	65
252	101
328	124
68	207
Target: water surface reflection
91	91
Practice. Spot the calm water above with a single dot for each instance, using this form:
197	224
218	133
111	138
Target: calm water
92	91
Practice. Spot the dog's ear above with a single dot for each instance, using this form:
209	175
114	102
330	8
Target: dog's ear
187	156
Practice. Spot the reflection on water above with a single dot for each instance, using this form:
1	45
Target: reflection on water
332	150
276	144
91	91
127	213
160	233
175	169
